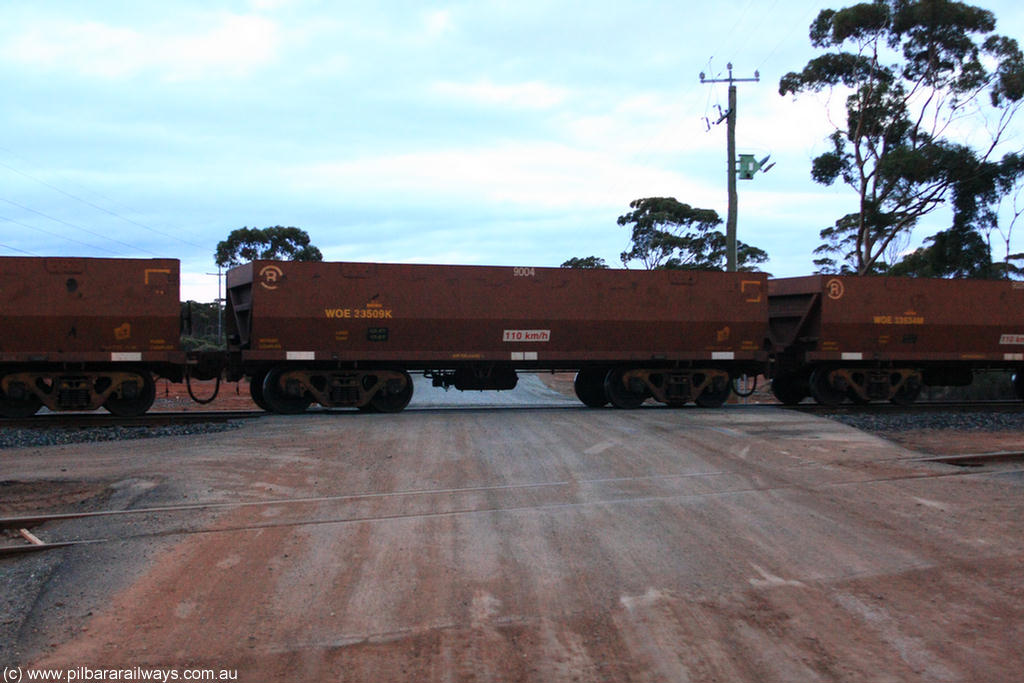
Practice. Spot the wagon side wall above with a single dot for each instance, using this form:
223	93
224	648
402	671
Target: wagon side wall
84	309
433	315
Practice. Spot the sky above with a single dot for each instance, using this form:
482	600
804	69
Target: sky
494	133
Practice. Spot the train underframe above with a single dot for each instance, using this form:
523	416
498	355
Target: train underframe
124	391
288	388
628	387
831	384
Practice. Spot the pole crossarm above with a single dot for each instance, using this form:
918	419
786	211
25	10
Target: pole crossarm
731	78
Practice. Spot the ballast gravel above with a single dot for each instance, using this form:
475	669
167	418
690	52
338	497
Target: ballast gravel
33	438
961	421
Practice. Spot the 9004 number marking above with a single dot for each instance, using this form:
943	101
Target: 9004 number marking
524	272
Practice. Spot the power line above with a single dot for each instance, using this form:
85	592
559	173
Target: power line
739	38
795	26
733	33
63	237
98	207
77	227
20	251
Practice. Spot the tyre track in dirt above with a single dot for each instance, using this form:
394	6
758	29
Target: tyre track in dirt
601	545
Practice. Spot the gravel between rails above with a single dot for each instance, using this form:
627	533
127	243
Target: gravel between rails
32	438
961	421
881	422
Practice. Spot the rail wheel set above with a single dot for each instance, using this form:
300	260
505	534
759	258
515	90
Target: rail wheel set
80	333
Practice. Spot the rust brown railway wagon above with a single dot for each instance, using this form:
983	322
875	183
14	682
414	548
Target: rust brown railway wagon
347	334
80	333
882	338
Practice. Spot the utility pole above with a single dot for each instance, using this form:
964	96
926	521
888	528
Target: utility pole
730	116
220	305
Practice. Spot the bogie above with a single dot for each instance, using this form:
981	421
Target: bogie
123	392
830	385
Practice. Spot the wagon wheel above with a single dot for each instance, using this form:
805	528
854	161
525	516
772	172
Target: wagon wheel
1018	383
589	386
856	398
908	392
278	400
135	397
715	393
619	394
789	389
391	398
23	405
823	390
256	390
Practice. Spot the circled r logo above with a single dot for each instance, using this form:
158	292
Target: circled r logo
269	277
835	289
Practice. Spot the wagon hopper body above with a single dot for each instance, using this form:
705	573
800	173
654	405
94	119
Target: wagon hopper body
80	333
871	338
349	333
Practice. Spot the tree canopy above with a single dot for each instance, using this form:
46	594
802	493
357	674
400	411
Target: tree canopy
249	244
919	74
669	234
585	262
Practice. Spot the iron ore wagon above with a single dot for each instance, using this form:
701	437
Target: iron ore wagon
80	333
349	334
883	338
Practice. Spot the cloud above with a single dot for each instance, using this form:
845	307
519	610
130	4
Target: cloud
526	95
232	45
270	5
535	174
437	23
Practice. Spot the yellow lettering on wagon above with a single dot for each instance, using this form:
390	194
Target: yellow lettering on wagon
752	288
908	319
370	313
338	312
154	271
375	313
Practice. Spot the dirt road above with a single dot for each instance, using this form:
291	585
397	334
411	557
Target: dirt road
542	544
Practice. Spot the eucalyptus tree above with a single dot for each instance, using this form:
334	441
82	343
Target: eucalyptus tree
277	242
931	92
666	233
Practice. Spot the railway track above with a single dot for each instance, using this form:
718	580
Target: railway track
1008	406
565	496
98	419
